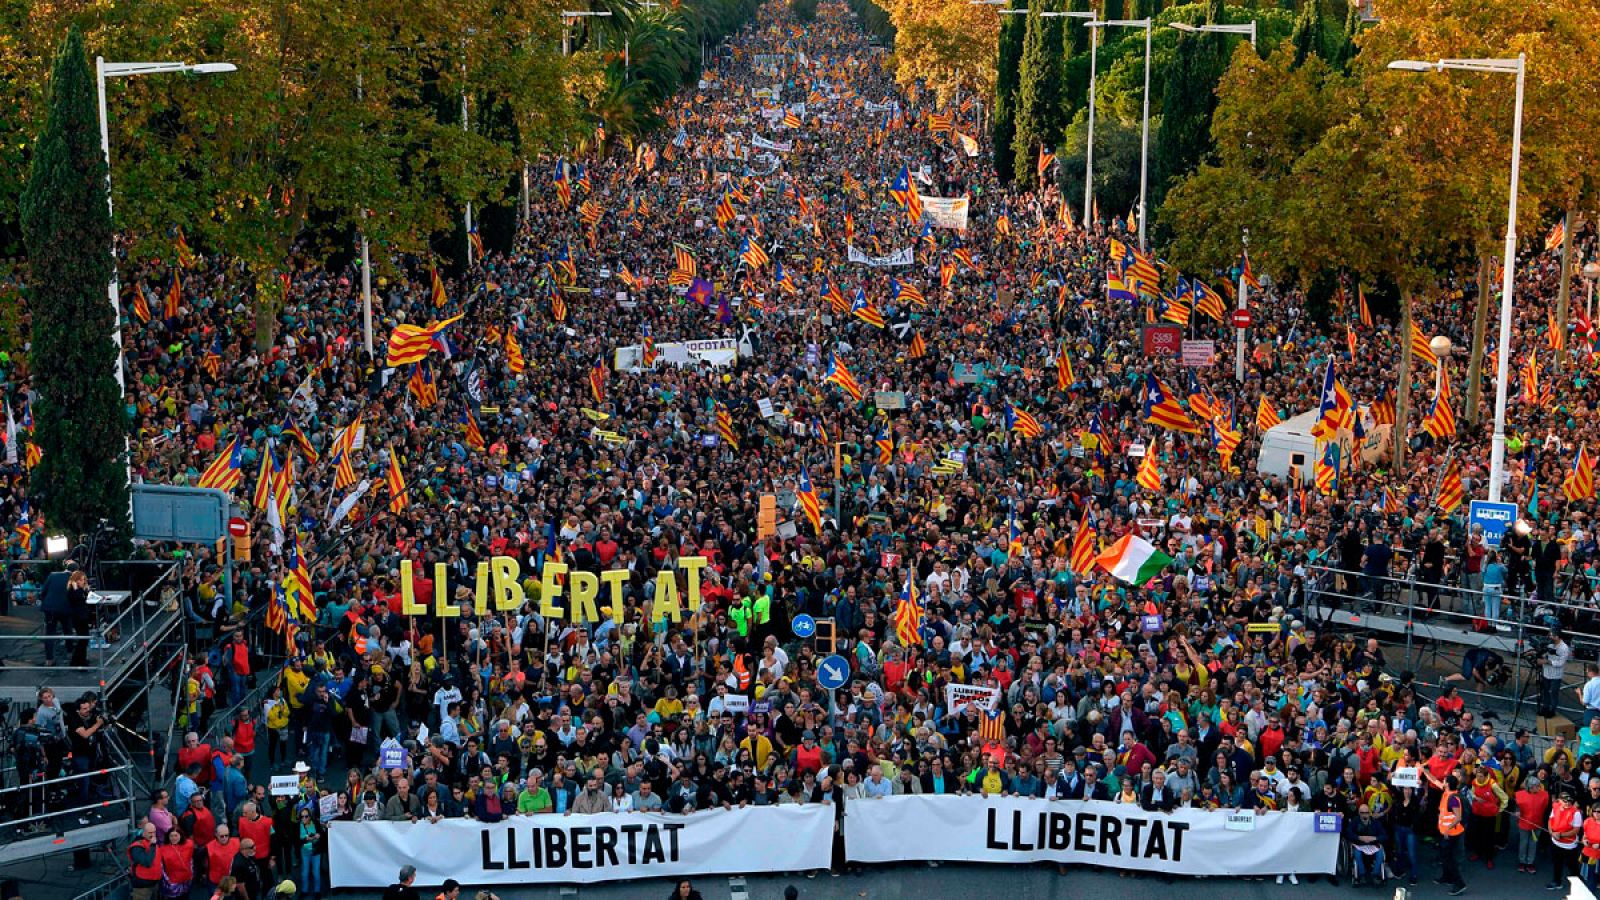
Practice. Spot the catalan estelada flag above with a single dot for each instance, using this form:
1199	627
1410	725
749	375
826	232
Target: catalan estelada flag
919	347
809	503
905	290
908	613
1579	483
1249	276
1451	491
474	435
1065	379
436	289
725	427
227	470
293	429
395	480
1266	416
837	374
1149	476
597	380
514	360
1161	408
1084	547
141	307
422	388
1420	348
1047	158
412	343
862	309
297	580
174	297
752	255
835	298
476	243
1441	420
1022	422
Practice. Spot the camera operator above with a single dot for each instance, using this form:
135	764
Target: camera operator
28	752
1553	667
85	725
1484	667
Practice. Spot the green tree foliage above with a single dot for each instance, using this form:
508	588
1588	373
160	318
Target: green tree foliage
805	11
1008	59
1307	36
79	421
1038	114
1116	163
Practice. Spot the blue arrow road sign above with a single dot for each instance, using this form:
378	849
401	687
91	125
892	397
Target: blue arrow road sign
833	673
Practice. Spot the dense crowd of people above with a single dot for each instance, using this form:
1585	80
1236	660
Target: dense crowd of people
517	436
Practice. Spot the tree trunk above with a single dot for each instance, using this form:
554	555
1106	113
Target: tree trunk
1402	398
268	302
1566	279
1480	321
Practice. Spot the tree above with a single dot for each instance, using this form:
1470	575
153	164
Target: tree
946	46
805	11
80	423
1008	55
1187	104
1038	115
1116	162
1307	36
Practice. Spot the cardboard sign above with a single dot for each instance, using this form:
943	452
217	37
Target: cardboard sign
736	703
1199	354
1241	820
1408	777
284	785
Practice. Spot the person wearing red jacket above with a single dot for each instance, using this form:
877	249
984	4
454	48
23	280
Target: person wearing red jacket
220	854
177	865
195	753
144	864
1533	808
258	828
197	823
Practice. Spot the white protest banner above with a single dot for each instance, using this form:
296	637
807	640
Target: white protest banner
945	212
1241	820
1091	832
284	785
1409	777
876	108
958	697
716	351
905	256
582	848
761	143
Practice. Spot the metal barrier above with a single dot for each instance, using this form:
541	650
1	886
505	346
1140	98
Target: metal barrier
68	812
1408	608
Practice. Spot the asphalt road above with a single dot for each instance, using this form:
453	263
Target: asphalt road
1031	882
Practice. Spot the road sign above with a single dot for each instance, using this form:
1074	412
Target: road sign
1241	318
803	626
238	527
1162	340
833	672
165	512
1496	519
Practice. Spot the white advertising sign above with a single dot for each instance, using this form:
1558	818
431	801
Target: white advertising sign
582	848
1091	832
945	212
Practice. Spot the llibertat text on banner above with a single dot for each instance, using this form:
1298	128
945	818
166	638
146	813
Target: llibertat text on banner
1088	832
583	848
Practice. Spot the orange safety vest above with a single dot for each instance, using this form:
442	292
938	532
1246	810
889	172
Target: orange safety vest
1450	818
149	873
1561	821
741	671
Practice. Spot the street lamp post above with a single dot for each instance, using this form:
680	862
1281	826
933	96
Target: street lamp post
1517	67
1248	28
567	15
1441	347
1144	140
1591	272
102	71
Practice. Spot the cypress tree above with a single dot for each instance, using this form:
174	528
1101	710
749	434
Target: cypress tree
1307	35
1074	63
80	423
1187	103
1008	56
1038	115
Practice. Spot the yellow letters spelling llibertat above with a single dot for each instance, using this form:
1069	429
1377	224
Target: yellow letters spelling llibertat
498	582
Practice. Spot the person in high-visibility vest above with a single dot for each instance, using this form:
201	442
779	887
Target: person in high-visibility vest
1451	828
1566	833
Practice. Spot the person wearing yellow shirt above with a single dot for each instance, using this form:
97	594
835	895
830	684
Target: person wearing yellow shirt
295	681
759	746
669	706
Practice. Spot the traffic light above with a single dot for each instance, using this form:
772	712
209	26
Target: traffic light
827	637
